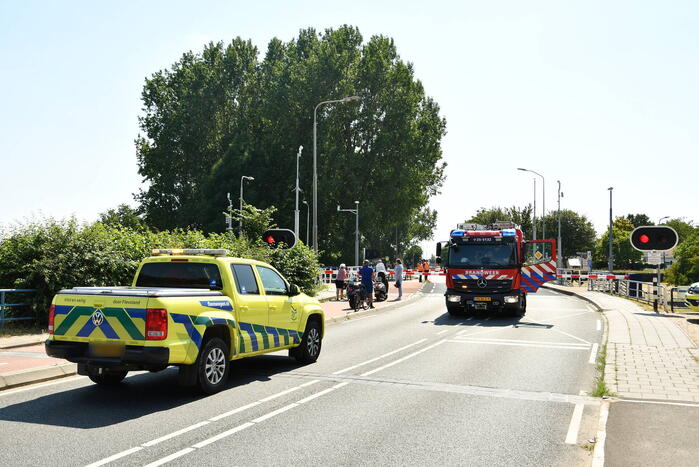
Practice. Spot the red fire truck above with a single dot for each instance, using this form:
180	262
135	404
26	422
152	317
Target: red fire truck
493	268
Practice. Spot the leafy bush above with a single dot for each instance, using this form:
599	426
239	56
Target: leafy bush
686	268
56	254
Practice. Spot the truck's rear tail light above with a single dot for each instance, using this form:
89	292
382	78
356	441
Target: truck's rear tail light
156	324
52	313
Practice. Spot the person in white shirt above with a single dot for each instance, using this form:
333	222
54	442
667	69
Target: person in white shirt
381	273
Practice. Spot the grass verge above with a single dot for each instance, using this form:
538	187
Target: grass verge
601	389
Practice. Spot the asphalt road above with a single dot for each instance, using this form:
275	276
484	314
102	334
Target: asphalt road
406	386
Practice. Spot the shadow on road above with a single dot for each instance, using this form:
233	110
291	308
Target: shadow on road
485	320
96	406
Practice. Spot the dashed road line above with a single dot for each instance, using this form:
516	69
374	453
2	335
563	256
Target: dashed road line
345	370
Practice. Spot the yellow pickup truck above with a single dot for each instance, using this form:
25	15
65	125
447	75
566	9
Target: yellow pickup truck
196	309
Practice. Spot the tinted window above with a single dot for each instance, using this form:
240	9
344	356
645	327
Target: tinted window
245	279
181	275
271	281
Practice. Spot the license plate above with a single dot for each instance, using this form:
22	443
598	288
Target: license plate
482	299
106	350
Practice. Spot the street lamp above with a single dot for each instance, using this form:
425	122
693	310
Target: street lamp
610	264
355	211
308	210
297	189
560	248
543	200
240	221
315	164
660	222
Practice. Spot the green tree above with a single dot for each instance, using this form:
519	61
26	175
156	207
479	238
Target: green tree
255	221
123	216
684	229
685	269
625	256
224	112
520	216
639	220
577	232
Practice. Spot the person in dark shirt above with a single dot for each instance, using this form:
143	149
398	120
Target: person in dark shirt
367	274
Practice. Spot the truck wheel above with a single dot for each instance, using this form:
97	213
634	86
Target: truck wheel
456	310
520	312
107	378
309	350
213	366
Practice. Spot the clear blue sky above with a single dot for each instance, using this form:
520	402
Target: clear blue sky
592	93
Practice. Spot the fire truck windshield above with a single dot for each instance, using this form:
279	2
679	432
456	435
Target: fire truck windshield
489	255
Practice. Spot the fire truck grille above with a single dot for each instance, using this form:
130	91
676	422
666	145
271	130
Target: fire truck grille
490	286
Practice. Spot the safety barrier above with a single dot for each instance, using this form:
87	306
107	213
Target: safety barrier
7	308
328	275
672	297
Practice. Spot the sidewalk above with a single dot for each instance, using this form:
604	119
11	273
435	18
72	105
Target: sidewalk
23	360
648	355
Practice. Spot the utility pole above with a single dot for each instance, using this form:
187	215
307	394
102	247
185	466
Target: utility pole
355	211
611	233
560	248
308	210
534	210
240	223
297	189
229	216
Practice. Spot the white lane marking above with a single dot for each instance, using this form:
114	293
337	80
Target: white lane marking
275	412
442	332
593	352
598	453
556	319
402	359
287	391
116	456
38	386
567	344
219	436
167	459
234	411
243	426
518	344
599	325
681	404
175	433
574	427
345	370
572	336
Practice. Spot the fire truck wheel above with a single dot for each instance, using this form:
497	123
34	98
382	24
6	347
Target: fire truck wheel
456	310
520	312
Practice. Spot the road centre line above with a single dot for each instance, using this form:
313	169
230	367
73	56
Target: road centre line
345	370
402	359
545	346
116	456
250	405
593	353
167	459
175	433
222	435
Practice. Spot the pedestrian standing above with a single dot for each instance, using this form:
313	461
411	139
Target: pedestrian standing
398	270
340	282
367	273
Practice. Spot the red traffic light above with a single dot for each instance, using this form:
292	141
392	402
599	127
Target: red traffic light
654	237
276	237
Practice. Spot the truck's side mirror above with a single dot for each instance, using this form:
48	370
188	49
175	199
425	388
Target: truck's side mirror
294	290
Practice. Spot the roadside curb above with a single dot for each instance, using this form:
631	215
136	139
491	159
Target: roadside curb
29	340
571	293
36	375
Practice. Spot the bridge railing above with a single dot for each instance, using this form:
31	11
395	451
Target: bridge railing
667	297
11	311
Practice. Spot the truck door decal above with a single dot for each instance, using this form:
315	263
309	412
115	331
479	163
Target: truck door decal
535	275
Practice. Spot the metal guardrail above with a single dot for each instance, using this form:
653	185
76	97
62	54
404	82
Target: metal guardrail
9	307
667	297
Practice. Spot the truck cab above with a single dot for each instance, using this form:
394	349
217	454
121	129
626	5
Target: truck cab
492	268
